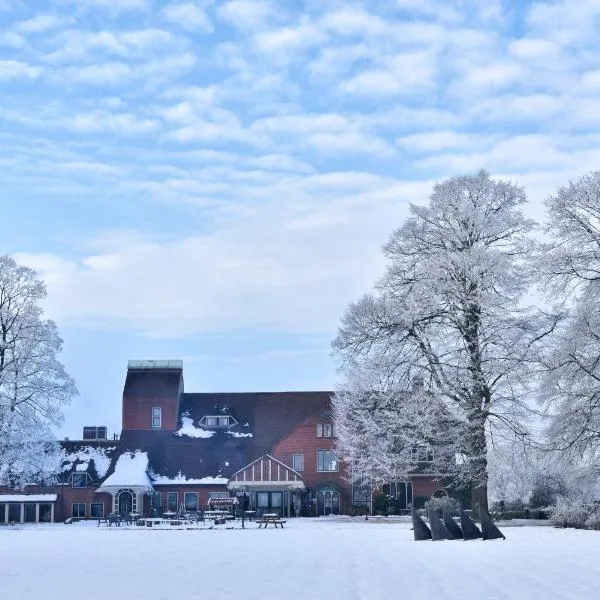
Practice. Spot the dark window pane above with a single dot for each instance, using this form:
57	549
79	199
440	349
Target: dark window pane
14	513
276	499
45	513
79	480
262	499
191	501
96	510
172	501
30	513
2	513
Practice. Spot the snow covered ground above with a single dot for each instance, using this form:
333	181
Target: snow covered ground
329	559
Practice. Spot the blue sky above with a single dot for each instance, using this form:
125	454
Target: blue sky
213	180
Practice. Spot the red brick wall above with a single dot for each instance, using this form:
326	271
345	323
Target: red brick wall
426	486
137	413
304	440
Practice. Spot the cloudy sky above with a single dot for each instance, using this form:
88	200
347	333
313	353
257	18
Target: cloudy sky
213	180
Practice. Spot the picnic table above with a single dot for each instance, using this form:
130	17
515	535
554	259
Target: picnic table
110	519
272	518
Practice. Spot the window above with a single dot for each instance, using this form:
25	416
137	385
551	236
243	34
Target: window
298	462
218	421
327	460
325	430
156	417
96	510
262	499
78	511
191	500
422	454
172	502
79	480
29	512
94	433
155	500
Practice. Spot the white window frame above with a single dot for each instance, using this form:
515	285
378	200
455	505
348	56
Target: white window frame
319	430
327	430
170	495
337	462
197	501
218	421
156	414
79	487
422	454
301	457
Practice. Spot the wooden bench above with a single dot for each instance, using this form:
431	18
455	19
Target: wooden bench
265	522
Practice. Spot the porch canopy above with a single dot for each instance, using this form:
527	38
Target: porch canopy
266	472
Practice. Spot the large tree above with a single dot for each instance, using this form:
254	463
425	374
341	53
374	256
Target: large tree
450	309
34	385
571	268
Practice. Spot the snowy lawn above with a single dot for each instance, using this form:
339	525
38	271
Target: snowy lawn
337	559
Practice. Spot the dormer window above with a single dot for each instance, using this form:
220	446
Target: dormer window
422	454
223	421
325	430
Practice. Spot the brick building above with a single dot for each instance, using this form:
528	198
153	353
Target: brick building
177	450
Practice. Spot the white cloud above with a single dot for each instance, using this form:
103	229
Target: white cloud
112	6
188	15
108	73
106	121
11	39
248	14
42	23
402	74
13	69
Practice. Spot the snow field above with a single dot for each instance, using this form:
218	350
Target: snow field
333	559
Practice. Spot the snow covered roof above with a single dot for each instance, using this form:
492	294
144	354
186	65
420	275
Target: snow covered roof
28	497
181	479
131	470
187	428
77	457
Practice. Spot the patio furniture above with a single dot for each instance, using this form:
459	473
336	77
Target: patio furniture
272	518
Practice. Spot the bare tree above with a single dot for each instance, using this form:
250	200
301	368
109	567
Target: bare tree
34	385
571	270
449	308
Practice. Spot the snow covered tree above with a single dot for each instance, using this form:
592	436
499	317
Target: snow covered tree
449	309
34	385
571	269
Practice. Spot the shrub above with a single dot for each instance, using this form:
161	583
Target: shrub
439	504
593	521
570	514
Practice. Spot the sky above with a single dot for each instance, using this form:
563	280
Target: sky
213	180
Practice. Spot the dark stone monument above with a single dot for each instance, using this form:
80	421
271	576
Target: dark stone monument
420	529
470	531
488	527
438	529
454	530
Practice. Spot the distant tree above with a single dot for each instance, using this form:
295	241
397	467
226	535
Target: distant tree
571	272
449	309
34	385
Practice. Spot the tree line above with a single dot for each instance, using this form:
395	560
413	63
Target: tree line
483	329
